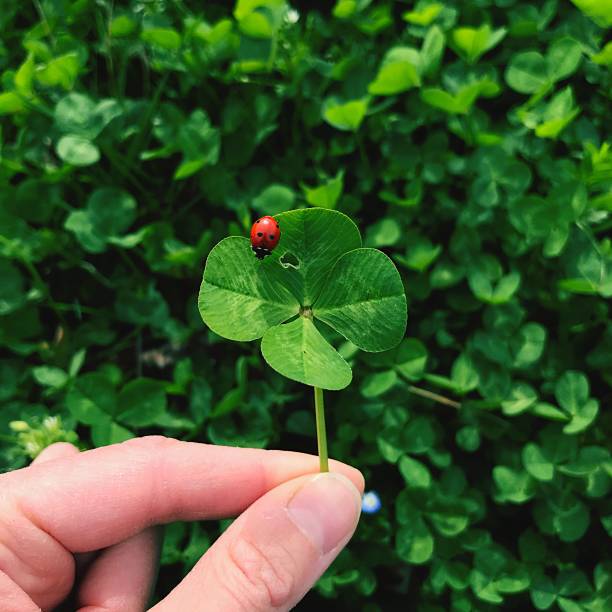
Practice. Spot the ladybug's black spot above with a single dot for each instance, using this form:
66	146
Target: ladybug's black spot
271	236
260	234
277	225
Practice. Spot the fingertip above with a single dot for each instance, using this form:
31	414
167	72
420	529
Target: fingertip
122	576
350	472
326	509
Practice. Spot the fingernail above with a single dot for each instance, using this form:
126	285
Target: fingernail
326	509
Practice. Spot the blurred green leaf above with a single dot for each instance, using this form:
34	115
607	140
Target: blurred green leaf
399	71
60	71
521	398
514	486
464	375
415	543
91	399
79	115
121	26
378	383
572	393
536	463
600	12
424	14
77	151
385	232
411	358
415	474
420	253
199	143
50	376
527	72
274	199
489	284
345	115
141	402
325	195
108	214
166	38
432	50
474	42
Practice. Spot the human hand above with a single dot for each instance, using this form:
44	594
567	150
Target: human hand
293	524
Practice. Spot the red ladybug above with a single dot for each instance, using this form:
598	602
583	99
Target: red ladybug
265	235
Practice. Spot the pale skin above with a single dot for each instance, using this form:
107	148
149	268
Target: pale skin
98	511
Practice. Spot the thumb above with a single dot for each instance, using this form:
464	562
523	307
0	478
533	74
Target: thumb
275	551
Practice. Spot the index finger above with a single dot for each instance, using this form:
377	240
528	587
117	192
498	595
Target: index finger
106	495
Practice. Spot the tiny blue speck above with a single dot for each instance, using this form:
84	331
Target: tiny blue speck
370	503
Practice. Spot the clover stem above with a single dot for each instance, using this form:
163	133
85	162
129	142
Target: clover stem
436	397
321	434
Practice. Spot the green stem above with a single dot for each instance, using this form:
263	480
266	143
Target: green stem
436	397
141	138
43	18
74	308
362	153
321	434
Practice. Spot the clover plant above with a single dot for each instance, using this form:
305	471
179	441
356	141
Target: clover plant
318	279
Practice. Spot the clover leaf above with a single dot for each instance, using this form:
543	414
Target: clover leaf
345	115
317	274
530	72
299	351
108	214
572	393
400	71
471	43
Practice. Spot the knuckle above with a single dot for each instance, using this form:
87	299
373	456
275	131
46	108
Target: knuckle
65	447
151	454
258	579
151	443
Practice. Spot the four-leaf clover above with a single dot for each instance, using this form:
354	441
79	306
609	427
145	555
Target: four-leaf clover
318	277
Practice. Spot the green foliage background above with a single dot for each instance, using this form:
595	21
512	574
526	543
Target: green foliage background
470	140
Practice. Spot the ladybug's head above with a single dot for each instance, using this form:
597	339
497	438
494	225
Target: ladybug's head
261	252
